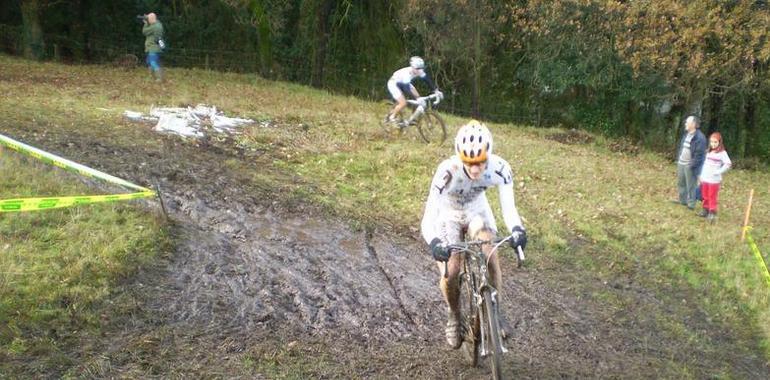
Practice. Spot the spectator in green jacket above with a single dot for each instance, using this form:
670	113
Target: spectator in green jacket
153	44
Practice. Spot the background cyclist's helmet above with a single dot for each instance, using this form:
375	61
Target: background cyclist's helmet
473	143
416	63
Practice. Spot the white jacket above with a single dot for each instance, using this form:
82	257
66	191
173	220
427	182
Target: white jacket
714	166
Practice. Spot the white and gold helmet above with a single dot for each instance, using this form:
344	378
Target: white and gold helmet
473	143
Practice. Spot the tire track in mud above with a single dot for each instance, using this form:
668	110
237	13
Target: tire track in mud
244	263
396	293
313	276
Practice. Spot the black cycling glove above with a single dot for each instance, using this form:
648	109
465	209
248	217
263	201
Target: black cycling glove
518	237
439	252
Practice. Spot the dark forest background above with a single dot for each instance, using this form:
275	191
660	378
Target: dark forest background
627	69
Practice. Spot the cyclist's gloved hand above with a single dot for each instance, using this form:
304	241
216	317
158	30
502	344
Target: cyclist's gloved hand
439	252
518	237
439	94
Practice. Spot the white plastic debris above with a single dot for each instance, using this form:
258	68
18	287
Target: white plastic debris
176	124
228	124
138	117
132	115
189	121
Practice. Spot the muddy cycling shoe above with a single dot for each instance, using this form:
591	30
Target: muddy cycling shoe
453	332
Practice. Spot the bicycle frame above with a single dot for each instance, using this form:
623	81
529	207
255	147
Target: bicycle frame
421	103
429	124
475	259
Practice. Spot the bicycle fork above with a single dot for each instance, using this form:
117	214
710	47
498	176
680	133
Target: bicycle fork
480	304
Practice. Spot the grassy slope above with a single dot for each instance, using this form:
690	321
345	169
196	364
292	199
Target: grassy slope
60	266
584	205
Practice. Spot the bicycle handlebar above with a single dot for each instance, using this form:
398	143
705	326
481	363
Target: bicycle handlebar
424	99
468	244
466	247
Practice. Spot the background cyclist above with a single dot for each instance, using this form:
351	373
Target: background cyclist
457	203
400	84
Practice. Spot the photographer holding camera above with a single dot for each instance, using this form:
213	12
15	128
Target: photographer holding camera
153	44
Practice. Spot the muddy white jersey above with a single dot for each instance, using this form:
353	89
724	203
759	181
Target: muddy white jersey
405	75
454	200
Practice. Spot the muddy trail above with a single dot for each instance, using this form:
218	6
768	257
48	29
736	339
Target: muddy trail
257	288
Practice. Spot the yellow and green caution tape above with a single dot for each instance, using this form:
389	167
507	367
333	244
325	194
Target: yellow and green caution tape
44	203
758	255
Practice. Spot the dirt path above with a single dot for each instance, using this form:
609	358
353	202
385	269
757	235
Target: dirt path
259	289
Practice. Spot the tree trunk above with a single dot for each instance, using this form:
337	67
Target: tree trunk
78	30
476	92
695	98
34	46
713	113
322	34
676	130
263	38
741	131
751	127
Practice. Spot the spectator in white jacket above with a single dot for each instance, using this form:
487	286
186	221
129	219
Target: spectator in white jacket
717	162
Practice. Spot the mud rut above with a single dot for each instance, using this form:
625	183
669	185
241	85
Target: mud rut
248	273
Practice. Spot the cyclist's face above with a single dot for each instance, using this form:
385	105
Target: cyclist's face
475	170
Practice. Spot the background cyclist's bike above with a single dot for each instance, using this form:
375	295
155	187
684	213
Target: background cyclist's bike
430	125
479	305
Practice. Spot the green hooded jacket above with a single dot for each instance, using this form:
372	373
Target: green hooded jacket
152	33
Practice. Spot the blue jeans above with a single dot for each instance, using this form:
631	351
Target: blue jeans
153	60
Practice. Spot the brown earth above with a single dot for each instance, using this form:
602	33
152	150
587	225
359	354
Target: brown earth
260	288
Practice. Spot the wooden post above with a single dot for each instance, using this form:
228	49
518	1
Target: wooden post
748	213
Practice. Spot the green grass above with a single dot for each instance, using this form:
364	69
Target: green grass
585	205
60	266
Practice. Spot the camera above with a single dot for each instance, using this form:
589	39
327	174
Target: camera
142	18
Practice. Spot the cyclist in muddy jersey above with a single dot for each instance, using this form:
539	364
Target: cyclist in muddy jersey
457	203
400	84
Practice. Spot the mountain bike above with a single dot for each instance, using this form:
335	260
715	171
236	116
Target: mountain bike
479	306
430	125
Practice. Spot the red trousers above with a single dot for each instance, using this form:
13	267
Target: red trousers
710	192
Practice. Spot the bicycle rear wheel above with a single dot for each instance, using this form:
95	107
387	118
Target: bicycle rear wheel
493	331
432	128
469	313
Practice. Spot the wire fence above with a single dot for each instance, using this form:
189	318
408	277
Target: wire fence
368	83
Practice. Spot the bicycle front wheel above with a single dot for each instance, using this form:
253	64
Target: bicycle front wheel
432	128
495	347
469	312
